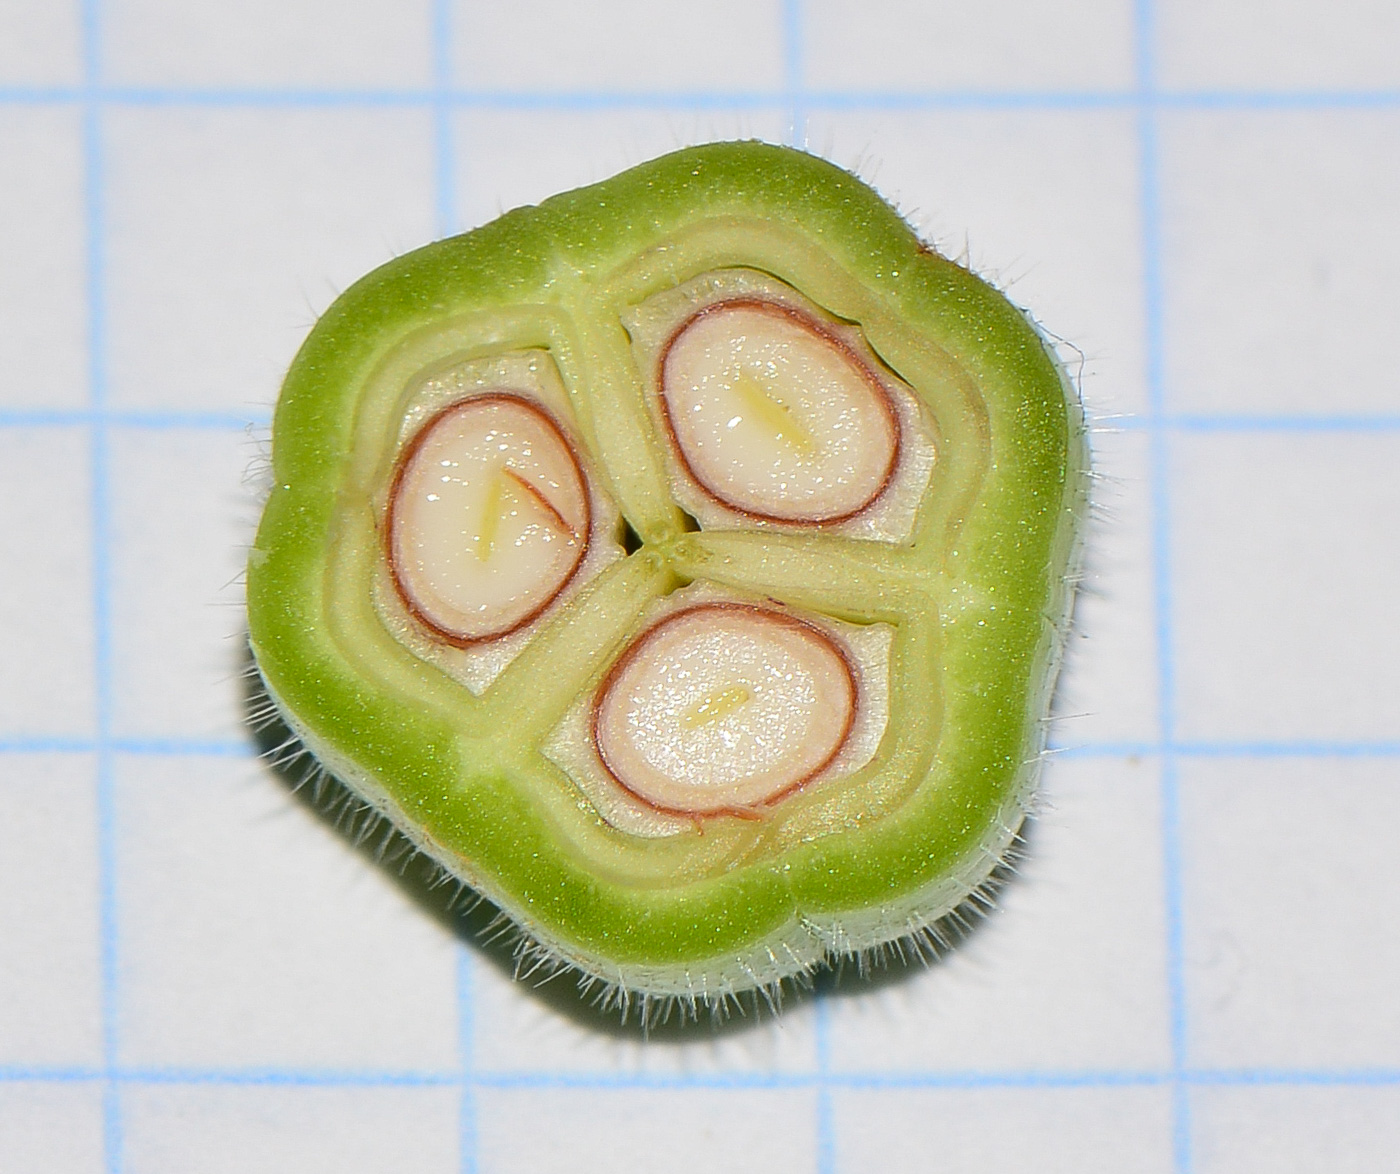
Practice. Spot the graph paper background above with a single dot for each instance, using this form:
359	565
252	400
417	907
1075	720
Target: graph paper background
1198	970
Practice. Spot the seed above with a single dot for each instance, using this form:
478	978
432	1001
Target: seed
724	707
776	417
488	518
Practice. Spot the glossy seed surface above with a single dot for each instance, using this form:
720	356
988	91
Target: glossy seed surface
724	707
775	417
489	518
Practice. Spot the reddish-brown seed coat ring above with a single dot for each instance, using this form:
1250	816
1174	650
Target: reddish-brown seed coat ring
791	621
816	326
405	458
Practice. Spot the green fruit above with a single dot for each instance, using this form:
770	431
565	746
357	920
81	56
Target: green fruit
491	697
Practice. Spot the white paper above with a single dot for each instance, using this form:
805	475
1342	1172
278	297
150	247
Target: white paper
1196	970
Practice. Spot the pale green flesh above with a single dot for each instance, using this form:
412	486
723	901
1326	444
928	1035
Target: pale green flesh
977	598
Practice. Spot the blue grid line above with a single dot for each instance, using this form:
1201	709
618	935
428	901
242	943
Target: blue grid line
794	76
42	744
160	419
1176	977
1381	422
184	747
1183	100
466	1034
424	98
1304	748
151	747
1287	100
157	420
444	181
1236	422
1151	227
826	1117
1299	749
101	581
827	100
1360	1077
1079	100
445	191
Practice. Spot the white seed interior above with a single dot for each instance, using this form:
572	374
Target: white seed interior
490	517
653	325
775	418
723	707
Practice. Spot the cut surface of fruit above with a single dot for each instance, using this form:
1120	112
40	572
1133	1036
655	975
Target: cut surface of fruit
683	565
488	518
775	417
724	707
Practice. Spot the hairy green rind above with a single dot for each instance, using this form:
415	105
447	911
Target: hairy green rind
986	567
